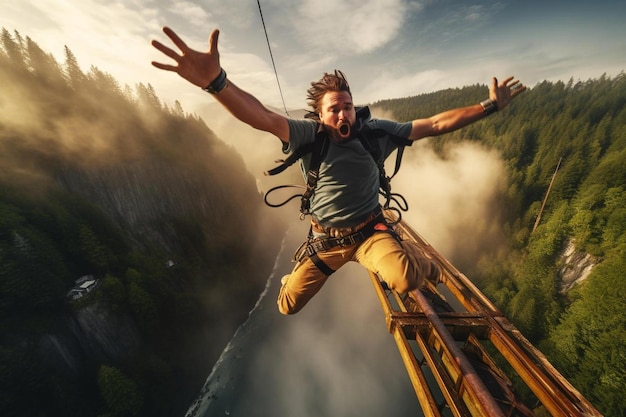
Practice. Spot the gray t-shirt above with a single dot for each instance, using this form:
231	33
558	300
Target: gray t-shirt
347	188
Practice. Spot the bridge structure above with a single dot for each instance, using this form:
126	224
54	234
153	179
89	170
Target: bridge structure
463	356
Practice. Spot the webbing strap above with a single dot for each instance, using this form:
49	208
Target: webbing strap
369	139
320	147
291	159
398	161
321	265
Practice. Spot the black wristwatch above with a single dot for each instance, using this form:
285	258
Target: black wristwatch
217	84
489	106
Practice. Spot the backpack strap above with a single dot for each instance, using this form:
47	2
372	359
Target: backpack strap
297	153
370	140
318	149
291	159
402	143
318	152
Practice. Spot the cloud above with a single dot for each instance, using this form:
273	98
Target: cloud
473	14
193	13
335	357
239	13
349	27
391	48
391	84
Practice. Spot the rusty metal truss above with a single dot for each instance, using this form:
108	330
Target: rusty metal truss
462	354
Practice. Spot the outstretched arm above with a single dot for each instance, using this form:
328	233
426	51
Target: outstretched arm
500	95
203	69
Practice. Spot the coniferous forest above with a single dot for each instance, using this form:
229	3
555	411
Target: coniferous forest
578	127
103	181
568	137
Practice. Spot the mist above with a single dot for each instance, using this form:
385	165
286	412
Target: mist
259	150
454	199
159	176
335	357
454	202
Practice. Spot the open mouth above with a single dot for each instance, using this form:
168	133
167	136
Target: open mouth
344	130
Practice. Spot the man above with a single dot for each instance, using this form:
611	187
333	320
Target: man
347	224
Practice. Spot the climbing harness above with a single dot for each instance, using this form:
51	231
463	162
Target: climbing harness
314	244
325	240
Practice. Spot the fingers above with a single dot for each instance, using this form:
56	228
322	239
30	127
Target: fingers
517	88
167	51
176	39
504	91
506	81
514	86
165	66
213	41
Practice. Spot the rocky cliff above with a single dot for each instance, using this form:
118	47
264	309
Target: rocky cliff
109	181
187	202
93	335
575	267
174	227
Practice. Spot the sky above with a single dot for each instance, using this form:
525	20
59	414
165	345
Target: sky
387	48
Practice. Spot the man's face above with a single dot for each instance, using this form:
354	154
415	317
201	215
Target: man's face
337	114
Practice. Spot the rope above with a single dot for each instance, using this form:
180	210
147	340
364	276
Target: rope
280	187
272	58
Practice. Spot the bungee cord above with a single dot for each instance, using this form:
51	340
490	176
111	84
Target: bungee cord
398	199
280	90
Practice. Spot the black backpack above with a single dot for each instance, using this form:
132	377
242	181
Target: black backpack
369	138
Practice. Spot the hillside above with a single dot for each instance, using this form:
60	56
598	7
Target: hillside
107	182
559	273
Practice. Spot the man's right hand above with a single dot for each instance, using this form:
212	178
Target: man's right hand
199	68
202	68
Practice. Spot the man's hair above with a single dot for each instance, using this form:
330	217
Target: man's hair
329	82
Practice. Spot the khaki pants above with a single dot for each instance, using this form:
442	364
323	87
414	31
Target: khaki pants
401	265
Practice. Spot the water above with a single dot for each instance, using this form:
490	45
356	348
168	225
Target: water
334	358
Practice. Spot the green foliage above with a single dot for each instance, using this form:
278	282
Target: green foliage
583	125
589	344
32	272
141	303
120	393
98	179
95	252
615	207
113	293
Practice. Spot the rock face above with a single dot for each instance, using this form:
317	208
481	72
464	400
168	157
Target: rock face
93	335
576	266
147	195
111	182
188	199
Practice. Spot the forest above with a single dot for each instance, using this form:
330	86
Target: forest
106	181
578	127
566	136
